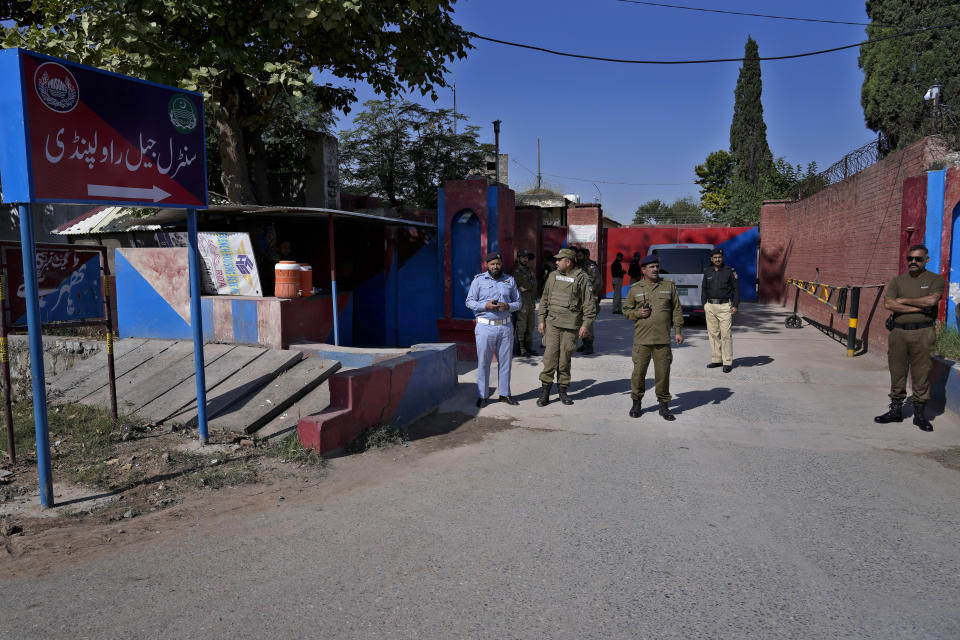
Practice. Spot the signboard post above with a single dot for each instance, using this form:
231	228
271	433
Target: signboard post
74	134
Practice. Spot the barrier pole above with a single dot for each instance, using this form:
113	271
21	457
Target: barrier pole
854	312
196	322
111	369
5	369
333	282
34	327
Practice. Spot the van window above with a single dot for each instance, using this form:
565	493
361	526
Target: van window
683	260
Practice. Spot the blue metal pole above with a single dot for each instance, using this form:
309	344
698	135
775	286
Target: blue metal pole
333	281
32	294
196	322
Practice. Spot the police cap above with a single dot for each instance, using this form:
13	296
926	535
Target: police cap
492	256
653	258
566	253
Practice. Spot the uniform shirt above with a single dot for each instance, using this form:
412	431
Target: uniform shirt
634	271
906	286
616	269
720	283
525	278
596	280
567	301
664	310
484	288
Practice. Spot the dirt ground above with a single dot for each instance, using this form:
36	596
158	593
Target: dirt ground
163	486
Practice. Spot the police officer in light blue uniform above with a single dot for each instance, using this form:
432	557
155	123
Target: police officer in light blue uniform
493	296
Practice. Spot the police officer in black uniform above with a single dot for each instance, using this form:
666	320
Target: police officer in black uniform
720	297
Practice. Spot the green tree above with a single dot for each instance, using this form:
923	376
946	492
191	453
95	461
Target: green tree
251	59
683	210
897	72
748	132
401	152
714	177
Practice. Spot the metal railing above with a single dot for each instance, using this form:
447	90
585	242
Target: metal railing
839	299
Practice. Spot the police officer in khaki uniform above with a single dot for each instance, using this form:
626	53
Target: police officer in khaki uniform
592	270
653	305
526	316
913	298
720	297
567	311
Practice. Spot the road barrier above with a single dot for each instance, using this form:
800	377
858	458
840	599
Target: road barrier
837	298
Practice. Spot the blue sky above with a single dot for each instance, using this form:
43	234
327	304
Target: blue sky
650	124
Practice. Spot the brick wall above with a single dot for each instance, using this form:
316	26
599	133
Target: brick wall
854	232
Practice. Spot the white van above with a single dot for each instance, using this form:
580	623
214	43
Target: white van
684	265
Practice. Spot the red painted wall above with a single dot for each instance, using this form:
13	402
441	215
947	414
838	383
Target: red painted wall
855	232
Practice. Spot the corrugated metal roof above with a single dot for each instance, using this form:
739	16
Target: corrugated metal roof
122	219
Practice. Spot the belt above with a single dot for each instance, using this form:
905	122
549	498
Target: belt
910	326
495	323
718	300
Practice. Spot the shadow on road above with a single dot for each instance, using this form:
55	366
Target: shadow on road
752	361
692	399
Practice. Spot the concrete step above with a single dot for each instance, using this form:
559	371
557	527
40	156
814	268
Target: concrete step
88	376
285	423
240	385
215	372
254	411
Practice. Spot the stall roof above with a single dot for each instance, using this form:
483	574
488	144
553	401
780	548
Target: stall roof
122	219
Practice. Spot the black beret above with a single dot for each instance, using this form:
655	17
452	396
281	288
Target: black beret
492	256
717	252
650	259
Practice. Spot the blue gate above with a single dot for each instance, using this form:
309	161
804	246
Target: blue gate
465	259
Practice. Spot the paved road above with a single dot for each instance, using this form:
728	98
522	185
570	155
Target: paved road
772	508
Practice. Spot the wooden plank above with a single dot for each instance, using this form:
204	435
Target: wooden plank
314	402
243	383
250	413
81	384
214	374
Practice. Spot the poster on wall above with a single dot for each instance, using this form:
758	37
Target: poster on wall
230	268
582	233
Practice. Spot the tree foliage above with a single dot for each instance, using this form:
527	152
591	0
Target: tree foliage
714	177
402	152
252	60
683	210
897	72
748	132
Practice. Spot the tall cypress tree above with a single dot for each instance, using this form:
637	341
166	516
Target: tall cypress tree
748	132
897	72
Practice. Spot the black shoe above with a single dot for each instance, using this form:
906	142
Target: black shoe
588	348
523	352
920	417
562	392
714	365
727	368
583	345
635	409
895	414
482	402
532	351
544	398
509	400
665	412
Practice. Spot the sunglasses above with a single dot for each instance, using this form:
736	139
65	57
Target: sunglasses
914	258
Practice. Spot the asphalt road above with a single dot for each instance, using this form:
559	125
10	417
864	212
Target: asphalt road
772	508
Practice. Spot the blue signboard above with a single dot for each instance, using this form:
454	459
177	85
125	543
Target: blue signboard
72	133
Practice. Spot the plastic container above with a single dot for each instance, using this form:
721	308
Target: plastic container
287	279
306	280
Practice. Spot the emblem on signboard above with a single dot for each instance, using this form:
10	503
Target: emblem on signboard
56	87
183	115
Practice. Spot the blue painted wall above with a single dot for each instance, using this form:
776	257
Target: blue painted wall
418	305
141	311
465	261
933	235
370	305
434	379
741	253
493	210
954	268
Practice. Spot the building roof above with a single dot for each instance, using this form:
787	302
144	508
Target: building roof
100	220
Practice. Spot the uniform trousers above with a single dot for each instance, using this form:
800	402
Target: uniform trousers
719	322
559	345
526	324
494	340
662	356
617	295
911	350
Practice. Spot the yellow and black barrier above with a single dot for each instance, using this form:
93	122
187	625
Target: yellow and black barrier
836	298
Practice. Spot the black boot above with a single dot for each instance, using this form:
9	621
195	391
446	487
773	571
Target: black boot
587	347
665	412
895	414
523	352
562	392
583	345
920	416
531	350
544	398
635	409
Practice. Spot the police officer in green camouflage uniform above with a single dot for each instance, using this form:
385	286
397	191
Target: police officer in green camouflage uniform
913	297
589	267
567	311
526	316
653	305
